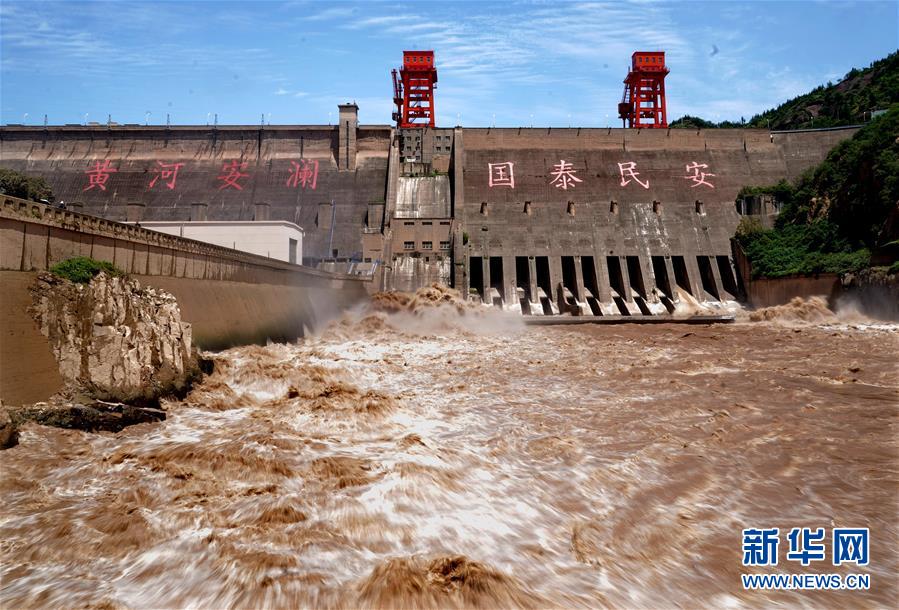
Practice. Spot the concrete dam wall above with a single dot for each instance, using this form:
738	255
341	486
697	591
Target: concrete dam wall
229	297
163	173
611	221
549	220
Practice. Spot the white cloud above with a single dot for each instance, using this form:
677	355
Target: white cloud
512	59
380	21
561	48
336	12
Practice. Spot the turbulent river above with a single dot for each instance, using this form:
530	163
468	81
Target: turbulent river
438	458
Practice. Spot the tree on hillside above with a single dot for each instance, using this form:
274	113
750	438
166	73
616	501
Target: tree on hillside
17	184
856	187
845	103
837	213
848	102
691	122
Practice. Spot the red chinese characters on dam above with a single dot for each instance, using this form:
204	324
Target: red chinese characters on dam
628	171
698	176
304	173
168	172
501	174
563	175
99	175
231	179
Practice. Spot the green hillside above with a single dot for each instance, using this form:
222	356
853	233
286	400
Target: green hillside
837	213
848	102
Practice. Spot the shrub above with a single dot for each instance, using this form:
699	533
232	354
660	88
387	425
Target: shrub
801	250
783	191
749	226
82	269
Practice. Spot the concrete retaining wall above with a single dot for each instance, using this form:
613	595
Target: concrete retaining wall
34	237
28	370
229	297
766	292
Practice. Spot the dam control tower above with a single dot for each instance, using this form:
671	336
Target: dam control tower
643	102
413	90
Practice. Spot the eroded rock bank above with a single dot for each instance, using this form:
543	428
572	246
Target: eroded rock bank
9	434
120	348
113	338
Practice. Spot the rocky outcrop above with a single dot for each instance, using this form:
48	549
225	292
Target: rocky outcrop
94	417
9	434
115	340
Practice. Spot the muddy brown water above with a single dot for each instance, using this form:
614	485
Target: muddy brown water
471	462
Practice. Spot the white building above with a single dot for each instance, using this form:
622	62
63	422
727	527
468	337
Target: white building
276	239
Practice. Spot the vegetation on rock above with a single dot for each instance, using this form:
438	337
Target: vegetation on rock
799	249
83	269
837	213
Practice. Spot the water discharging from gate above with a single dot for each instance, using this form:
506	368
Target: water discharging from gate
430	458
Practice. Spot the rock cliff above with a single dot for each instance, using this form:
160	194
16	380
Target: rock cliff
9	433
115	340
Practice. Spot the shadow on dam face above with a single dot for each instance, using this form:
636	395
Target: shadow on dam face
726	271
544	282
680	274
707	276
591	286
496	278
476	276
663	283
523	277
616	283
569	275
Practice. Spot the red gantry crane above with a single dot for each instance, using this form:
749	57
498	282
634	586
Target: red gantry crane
413	90
643	103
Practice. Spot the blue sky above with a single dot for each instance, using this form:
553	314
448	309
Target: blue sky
513	64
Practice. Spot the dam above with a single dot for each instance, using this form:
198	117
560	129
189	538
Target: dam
545	221
423	365
555	224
